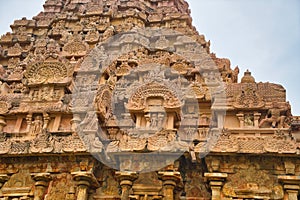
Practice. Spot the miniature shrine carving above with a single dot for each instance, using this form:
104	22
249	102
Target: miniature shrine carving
118	99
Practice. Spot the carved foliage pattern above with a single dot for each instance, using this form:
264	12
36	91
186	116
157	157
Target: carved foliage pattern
47	72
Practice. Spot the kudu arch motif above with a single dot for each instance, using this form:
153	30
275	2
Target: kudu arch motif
147	102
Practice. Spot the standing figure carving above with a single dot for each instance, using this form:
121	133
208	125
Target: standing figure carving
36	126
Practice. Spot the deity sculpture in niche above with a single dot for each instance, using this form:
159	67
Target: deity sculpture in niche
156	113
36	126
249	120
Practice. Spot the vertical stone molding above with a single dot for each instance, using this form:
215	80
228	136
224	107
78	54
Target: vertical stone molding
126	181
216	182
240	116
170	181
84	181
2	123
41	184
75	121
291	186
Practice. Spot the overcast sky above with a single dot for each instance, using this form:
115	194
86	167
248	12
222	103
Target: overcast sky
260	35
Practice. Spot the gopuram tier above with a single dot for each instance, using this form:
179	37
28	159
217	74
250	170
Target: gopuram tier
123	100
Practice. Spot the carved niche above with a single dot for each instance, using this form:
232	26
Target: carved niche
154	106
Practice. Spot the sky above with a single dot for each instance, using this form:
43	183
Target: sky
260	35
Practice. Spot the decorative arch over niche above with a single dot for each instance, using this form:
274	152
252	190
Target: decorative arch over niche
154	106
48	72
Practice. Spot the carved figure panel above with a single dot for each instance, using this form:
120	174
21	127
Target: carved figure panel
62	187
253	183
19	183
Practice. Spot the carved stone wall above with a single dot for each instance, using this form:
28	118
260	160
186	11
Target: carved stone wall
123	100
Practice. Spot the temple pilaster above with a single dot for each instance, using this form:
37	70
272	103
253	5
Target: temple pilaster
291	186
170	181
216	182
84	181
41	184
126	181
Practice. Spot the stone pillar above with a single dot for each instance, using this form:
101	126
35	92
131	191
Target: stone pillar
28	121
41	184
240	116
170	121
126	181
216	182
291	186
170	180
84	180
256	119
138	121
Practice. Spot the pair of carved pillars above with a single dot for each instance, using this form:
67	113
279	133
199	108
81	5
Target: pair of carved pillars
84	181
170	180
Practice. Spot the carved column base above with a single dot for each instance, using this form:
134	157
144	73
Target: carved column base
216	182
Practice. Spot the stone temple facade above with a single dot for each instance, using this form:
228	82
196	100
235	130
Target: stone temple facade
122	99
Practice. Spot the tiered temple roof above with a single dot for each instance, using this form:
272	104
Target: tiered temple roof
119	99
